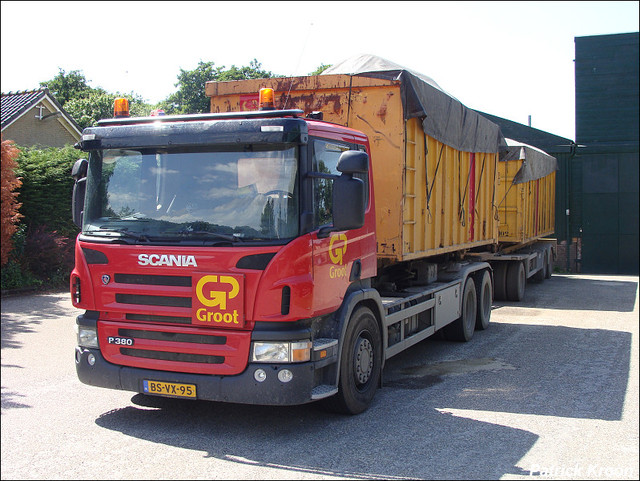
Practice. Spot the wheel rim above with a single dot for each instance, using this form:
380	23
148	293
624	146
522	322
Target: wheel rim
363	360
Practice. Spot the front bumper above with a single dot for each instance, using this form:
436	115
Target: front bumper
241	388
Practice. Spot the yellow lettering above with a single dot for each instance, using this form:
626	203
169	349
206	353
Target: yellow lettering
337	272
218	317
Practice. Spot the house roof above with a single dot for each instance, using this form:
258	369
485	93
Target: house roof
15	104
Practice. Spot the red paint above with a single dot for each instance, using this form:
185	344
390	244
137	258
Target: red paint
472	195
535	228
249	102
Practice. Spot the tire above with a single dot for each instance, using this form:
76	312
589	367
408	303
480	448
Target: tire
516	281
541	275
500	281
462	328
484	294
549	266
360	364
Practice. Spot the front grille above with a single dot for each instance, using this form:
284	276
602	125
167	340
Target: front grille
153	280
172	336
172	356
169	301
177	347
161	319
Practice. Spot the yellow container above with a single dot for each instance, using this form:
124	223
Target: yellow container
526	200
430	198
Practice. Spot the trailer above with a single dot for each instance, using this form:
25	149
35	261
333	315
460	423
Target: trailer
526	210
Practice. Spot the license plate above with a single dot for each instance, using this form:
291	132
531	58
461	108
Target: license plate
171	389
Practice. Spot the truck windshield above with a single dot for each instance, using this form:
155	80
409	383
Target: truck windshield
152	194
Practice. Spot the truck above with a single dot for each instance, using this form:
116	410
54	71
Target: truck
265	254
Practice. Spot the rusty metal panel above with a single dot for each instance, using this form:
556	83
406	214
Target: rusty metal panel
430	198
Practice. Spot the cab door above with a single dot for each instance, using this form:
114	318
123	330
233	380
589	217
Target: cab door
337	259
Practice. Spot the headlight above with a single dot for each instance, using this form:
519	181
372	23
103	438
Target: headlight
281	351
87	337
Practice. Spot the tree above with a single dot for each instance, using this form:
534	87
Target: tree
9	206
86	111
87	104
67	86
191	98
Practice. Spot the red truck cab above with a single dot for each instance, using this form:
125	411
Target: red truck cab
221	257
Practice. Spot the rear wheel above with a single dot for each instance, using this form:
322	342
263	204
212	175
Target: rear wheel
542	273
500	280
549	266
462	328
516	281
485	297
360	364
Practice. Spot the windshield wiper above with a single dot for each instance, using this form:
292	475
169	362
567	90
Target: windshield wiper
217	235
122	232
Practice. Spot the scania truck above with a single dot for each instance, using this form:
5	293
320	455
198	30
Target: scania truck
267	256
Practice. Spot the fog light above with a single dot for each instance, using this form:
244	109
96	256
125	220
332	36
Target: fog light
91	359
285	375
260	375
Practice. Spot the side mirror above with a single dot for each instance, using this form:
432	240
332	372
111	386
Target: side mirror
79	169
79	173
348	203
349	193
353	162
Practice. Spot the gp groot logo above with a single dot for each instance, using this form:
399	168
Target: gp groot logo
219	300
337	251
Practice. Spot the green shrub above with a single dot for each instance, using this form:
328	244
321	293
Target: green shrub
14	276
47	187
43	256
16	273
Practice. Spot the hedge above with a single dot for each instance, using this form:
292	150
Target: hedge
47	187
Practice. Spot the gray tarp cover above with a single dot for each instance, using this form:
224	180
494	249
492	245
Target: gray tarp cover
537	163
443	116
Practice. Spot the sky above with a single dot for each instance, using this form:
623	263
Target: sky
510	59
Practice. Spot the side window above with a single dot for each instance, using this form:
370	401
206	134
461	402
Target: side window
325	160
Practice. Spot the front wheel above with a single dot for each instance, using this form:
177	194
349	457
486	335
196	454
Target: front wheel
360	364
